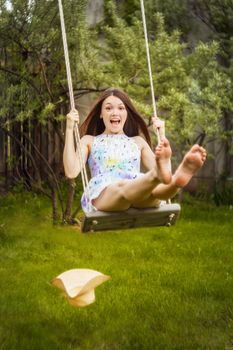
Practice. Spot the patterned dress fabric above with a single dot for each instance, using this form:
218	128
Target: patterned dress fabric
112	158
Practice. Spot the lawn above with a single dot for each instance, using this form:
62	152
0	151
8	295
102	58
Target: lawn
170	288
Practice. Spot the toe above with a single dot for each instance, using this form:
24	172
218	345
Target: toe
195	148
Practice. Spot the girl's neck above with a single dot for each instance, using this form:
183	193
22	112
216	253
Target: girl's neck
111	133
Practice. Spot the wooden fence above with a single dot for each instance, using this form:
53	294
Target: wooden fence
30	151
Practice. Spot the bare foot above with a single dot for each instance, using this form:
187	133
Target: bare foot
193	161
163	154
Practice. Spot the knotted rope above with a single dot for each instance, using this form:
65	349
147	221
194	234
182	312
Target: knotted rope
72	103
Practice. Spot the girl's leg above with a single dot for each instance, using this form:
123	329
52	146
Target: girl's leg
192	162
122	194
145	191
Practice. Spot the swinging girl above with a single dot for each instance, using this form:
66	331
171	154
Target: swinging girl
116	144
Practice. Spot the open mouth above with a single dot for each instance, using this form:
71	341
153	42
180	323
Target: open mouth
115	121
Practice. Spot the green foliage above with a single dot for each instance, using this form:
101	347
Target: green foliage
175	13
46	113
191	88
33	70
218	16
212	71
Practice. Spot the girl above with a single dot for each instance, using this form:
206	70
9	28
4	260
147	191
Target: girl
116	144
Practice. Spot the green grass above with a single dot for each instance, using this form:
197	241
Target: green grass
171	288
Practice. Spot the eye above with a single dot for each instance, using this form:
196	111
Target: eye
107	108
122	108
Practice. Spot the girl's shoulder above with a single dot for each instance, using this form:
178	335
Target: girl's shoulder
140	141
87	139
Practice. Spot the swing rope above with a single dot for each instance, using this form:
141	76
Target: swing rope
149	68
72	103
148	62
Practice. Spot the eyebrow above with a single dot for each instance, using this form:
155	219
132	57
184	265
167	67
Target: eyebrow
119	104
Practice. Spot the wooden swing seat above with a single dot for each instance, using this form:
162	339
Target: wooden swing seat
165	215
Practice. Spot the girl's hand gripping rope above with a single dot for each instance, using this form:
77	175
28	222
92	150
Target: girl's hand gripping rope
159	128
72	118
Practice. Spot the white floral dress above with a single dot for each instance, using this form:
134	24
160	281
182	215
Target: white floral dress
112	158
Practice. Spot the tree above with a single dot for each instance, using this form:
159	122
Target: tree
217	16
192	89
35	97
198	21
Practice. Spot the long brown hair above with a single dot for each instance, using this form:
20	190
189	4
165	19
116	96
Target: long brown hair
134	125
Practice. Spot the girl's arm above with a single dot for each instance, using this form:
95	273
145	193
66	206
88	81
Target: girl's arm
71	161
147	155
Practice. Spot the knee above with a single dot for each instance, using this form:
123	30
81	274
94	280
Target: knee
119	189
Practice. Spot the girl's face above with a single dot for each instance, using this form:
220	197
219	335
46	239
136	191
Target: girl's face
114	115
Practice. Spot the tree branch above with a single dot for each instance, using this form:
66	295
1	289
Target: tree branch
7	70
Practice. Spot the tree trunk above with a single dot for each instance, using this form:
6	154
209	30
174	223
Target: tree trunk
70	199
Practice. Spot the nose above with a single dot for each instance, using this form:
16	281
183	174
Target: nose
114	112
